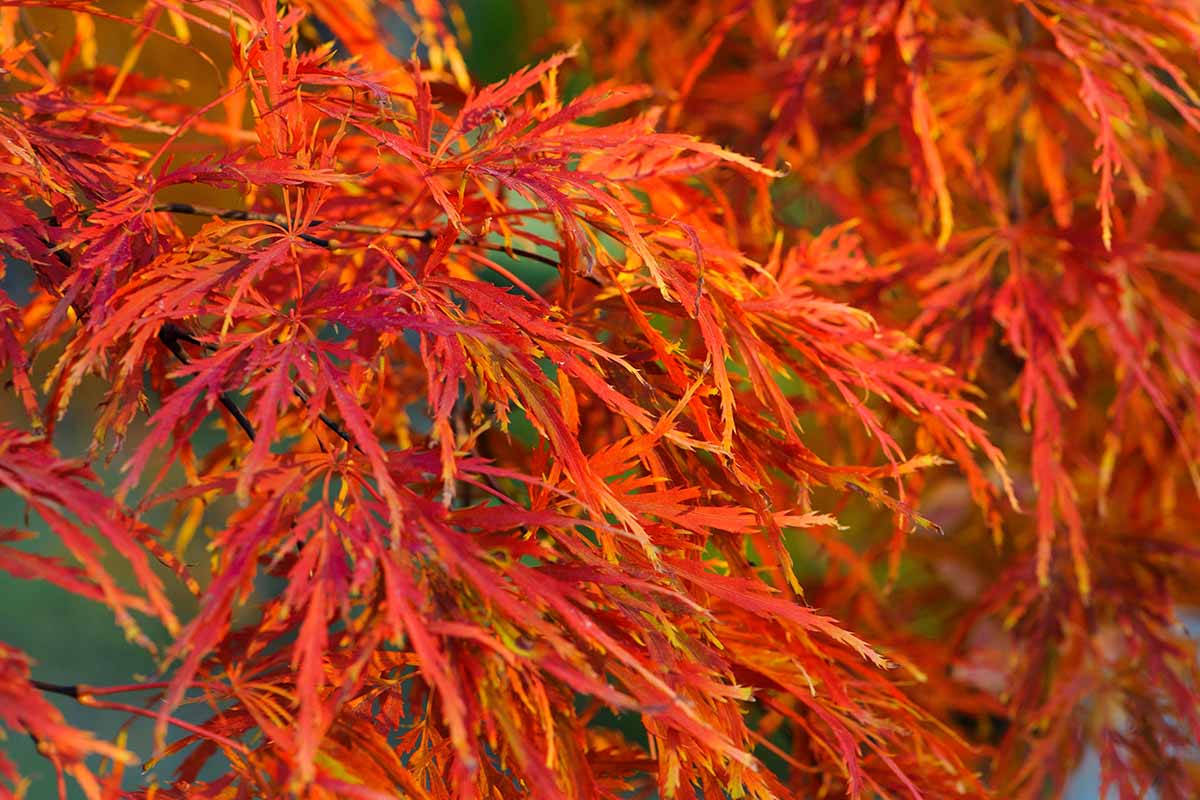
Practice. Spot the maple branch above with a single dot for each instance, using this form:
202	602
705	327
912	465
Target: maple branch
84	695
349	227
66	690
171	335
333	425
73	690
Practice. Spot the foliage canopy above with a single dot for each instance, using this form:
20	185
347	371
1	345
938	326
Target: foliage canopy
846	441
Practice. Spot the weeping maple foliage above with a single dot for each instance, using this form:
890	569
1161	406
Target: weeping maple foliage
741	400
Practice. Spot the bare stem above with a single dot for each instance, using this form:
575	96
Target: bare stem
349	227
86	696
171	335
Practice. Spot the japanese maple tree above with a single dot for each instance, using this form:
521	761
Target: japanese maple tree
772	399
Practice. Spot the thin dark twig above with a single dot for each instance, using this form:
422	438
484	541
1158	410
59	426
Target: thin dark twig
81	695
67	690
329	423
171	335
349	227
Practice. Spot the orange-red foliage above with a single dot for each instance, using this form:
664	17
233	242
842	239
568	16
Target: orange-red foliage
727	475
